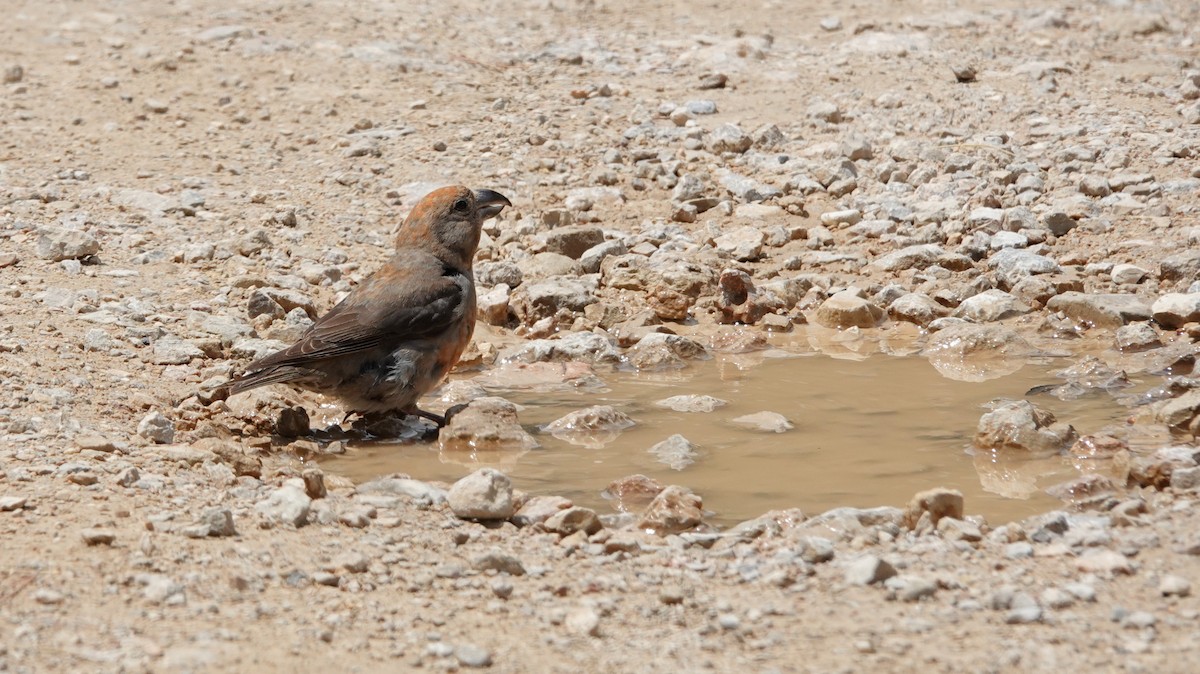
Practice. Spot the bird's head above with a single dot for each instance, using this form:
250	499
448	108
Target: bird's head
447	222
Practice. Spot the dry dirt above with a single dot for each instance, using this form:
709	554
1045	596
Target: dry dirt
159	162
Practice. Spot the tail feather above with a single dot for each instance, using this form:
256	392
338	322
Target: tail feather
271	375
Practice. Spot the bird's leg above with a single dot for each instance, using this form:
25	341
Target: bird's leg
435	418
440	419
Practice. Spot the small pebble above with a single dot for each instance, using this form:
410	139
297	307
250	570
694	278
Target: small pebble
11	503
326	578
1174	586
472	656
1139	620
47	596
583	621
98	536
502	588
670	596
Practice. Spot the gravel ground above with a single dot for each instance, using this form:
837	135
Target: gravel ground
183	187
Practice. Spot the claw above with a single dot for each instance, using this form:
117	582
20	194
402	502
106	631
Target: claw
453	410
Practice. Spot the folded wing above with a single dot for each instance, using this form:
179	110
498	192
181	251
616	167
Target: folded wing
373	316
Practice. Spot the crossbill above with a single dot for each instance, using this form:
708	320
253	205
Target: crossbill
396	336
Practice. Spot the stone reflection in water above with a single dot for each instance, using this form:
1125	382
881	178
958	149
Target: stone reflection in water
1101	454
544	377
632	493
977	352
1009	473
849	344
1085	490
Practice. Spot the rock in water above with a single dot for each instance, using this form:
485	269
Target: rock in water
674	509
487	423
590	427
938	503
1021	425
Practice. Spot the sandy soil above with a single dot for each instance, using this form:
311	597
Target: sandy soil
162	162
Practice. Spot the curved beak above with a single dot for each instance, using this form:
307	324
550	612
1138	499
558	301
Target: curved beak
490	203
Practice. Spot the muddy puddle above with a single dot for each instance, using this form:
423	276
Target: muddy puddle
866	432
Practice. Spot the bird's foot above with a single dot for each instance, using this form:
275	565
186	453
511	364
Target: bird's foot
440	419
389	425
395	423
435	418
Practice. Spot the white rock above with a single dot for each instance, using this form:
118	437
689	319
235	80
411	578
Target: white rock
414	489
567	521
160	589
156	428
1176	586
11	503
917	308
677	452
867	570
766	422
171	350
1174	309
969	352
1104	562
65	244
286	505
486	424
486	494
1128	273
583	621
729	138
597	419
991	305
691	403
743	243
218	522
847	309
493	305
1019	424
919	256
469	655
1006	239
845	217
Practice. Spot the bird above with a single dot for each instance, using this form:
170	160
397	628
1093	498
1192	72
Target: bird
398	333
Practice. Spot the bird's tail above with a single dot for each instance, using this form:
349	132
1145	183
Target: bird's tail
271	375
252	380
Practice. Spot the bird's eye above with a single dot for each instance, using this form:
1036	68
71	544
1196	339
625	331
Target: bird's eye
462	206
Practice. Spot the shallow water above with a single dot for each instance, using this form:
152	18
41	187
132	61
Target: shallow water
867	432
